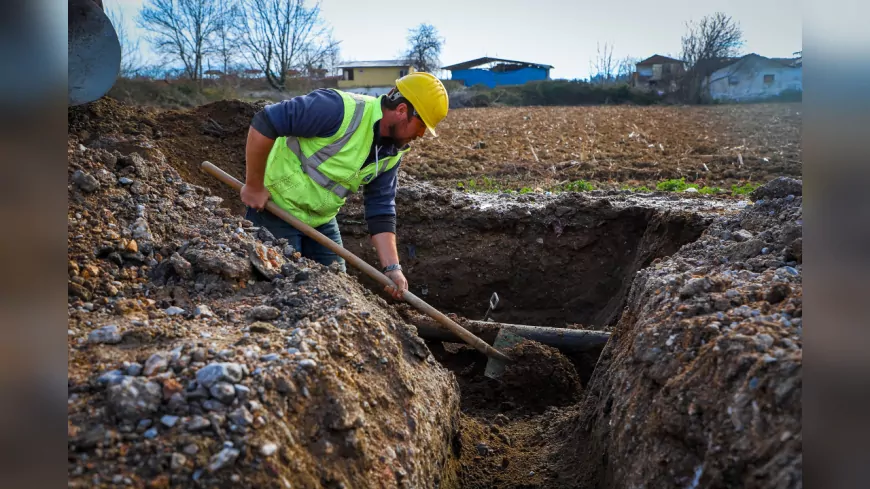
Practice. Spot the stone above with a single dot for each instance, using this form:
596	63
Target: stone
168	420
197	423
308	364
134	369
265	313
220	263
141	230
214	405
223	392
217	372
181	266
242	392
173	311
203	310
135	398
225	457
107	334
241	417
741	235
268	449
695	286
125	181
77	290
177	462
156	363
150	433
85	181
110	377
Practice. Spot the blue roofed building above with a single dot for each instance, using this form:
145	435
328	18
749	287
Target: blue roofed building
494	72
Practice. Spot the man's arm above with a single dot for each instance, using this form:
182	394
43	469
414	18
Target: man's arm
380	209
257	149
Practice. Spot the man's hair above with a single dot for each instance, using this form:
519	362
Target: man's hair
392	100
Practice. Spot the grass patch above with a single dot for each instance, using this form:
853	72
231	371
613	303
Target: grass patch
489	185
680	185
744	189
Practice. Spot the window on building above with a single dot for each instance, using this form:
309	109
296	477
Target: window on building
402	73
348	75
768	79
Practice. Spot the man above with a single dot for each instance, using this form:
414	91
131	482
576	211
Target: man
308	153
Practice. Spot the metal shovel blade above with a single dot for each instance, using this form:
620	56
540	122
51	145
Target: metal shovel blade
493	301
504	340
94	52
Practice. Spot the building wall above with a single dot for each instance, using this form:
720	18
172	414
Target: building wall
492	79
747	81
373	77
371	91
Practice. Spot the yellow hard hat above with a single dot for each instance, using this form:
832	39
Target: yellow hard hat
428	96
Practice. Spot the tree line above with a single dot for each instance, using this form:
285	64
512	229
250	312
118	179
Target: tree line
274	39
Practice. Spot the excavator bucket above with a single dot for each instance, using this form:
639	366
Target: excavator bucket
94	52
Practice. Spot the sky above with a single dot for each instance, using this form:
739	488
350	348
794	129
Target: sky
563	33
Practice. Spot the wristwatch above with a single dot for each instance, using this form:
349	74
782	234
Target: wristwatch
390	268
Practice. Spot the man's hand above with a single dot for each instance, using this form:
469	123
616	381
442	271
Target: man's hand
255	197
398	278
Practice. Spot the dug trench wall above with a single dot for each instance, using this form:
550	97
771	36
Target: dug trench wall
700	384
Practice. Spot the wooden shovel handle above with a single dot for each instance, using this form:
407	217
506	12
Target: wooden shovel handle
369	270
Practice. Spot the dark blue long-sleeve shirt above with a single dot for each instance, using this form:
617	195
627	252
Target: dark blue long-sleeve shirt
319	114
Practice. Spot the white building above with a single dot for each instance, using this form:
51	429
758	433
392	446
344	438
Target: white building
755	77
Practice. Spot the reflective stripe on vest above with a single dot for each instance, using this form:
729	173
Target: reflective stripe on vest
310	164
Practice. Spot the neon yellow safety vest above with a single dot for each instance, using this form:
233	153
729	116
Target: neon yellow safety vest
311	177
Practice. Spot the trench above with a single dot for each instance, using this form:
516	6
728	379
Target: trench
566	265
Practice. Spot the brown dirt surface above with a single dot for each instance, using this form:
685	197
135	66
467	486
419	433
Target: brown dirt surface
542	375
613	145
202	353
205	353
700	385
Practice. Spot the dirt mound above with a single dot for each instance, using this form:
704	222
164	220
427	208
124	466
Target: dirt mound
541	374
202	352
214	132
700	384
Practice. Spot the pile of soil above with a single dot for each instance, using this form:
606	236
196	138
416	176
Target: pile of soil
204	352
541	375
700	384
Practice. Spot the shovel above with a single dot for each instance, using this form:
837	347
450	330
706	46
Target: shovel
493	301
369	270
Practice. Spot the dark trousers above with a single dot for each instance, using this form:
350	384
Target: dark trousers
295	238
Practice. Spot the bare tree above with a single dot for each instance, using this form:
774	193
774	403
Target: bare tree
603	67
181	29
131	59
713	38
226	42
281	35
627	68
424	48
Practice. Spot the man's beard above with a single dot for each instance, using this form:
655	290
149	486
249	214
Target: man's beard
396	141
